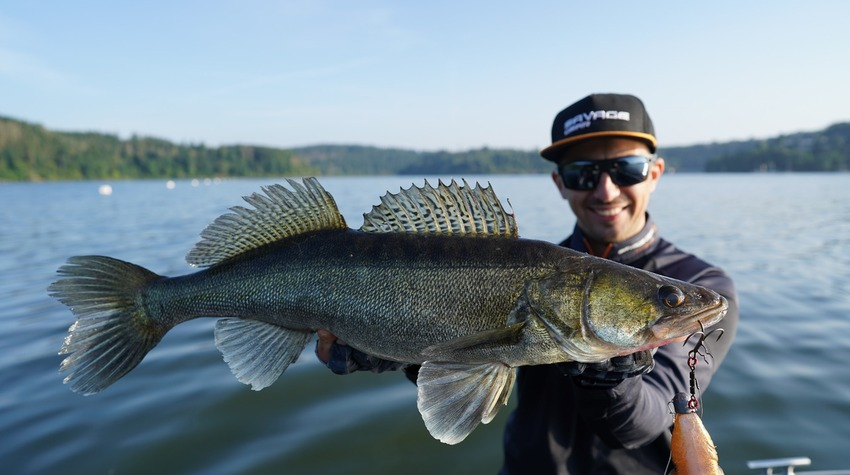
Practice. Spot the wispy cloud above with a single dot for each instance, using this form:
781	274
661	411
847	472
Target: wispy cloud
284	77
20	67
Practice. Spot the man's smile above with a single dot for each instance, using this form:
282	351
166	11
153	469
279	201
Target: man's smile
609	211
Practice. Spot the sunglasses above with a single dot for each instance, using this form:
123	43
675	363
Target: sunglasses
624	171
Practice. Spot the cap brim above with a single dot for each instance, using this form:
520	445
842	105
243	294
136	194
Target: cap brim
551	152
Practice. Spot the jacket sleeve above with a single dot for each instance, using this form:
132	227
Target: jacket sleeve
637	411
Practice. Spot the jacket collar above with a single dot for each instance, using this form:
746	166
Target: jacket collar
627	251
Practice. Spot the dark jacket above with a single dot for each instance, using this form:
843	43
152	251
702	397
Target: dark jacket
561	428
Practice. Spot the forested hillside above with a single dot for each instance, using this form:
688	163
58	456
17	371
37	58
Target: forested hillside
29	152
824	151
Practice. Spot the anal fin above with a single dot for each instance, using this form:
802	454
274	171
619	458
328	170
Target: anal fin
455	397
258	352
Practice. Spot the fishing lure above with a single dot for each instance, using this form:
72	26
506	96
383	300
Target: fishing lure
691	449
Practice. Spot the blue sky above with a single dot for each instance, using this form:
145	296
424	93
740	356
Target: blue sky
448	75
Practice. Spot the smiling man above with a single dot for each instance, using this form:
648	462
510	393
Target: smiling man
607	168
610	417
608	212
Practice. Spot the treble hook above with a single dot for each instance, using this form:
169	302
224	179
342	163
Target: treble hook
699	350
700	344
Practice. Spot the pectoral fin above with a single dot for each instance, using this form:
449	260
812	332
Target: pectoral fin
257	352
454	397
483	344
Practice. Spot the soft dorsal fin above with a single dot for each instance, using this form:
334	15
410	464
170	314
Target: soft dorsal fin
277	213
447	209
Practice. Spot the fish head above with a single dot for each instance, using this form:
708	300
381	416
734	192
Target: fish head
611	309
633	311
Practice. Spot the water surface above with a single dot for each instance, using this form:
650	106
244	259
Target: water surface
784	238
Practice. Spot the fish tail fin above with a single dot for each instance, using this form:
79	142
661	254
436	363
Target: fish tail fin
113	332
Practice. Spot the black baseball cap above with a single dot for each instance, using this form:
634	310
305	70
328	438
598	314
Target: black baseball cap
600	115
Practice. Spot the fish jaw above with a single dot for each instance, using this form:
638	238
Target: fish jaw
670	329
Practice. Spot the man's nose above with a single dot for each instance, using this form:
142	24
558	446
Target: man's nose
606	190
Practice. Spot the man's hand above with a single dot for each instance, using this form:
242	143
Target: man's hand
323	346
609	373
343	359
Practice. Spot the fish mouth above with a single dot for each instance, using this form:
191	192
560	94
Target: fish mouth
672	327
712	315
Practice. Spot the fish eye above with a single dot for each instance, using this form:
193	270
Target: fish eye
671	296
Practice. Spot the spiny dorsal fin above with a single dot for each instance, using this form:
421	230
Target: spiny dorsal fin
447	209
277	214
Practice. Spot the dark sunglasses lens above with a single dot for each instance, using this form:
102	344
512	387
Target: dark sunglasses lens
579	175
629	171
625	171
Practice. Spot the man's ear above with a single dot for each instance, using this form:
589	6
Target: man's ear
657	168
559	184
656	171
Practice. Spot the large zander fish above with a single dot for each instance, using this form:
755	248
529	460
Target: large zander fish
435	276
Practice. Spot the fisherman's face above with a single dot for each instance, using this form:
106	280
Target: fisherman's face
610	213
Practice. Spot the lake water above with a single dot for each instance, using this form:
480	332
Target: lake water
783	391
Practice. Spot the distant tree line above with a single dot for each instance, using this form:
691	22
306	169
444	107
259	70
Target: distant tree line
29	152
824	151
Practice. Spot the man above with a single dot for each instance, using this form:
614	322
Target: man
610	417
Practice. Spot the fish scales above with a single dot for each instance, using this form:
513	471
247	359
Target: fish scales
435	276
351	282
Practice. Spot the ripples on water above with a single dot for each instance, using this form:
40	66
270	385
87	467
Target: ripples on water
785	239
